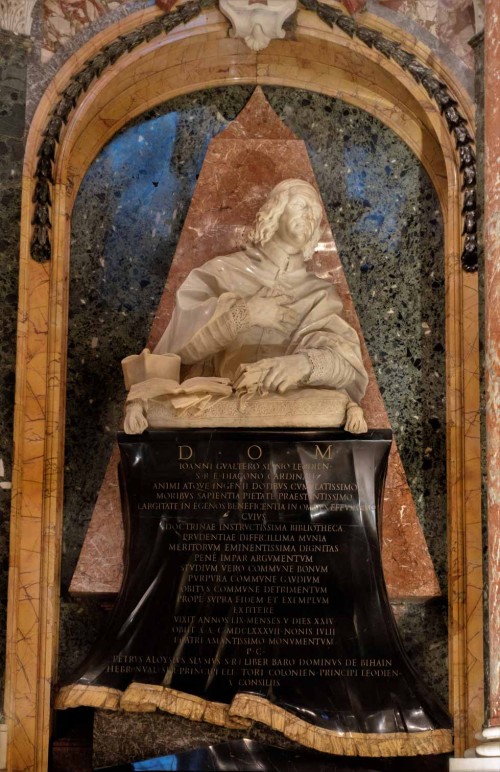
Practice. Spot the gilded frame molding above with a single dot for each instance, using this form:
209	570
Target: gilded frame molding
200	55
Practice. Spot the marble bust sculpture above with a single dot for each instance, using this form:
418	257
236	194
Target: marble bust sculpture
258	338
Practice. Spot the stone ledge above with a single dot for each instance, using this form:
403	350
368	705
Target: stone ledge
474	765
3	746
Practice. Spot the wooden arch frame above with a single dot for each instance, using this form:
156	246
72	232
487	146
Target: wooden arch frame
191	57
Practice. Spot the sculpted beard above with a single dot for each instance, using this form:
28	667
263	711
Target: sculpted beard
304	223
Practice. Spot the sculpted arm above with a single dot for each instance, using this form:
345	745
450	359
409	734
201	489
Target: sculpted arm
335	357
223	327
329	368
327	357
315	367
228	322
334	353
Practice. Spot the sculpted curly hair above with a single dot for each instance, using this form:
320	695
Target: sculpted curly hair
268	217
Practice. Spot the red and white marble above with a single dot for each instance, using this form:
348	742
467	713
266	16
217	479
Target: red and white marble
422	11
455	26
65	18
353	6
451	21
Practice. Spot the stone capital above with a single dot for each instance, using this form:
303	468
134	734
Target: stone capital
15	16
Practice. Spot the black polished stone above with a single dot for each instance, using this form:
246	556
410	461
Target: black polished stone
253	565
249	756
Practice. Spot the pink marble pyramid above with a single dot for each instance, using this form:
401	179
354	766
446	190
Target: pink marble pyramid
242	165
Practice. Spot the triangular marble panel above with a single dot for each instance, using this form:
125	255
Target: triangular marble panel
241	167
257	120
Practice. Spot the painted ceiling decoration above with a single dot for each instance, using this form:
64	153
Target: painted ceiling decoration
109	54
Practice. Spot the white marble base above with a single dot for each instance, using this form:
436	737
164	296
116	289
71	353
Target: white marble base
475	765
3	746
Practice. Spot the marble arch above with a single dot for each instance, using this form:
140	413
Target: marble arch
200	55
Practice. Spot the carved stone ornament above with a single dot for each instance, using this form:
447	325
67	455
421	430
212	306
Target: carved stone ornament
15	16
257	21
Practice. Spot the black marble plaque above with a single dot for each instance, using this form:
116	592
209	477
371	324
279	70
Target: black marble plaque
253	566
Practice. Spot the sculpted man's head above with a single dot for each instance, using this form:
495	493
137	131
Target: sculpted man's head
293	213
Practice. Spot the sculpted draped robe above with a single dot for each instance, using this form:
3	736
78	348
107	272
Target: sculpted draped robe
211	332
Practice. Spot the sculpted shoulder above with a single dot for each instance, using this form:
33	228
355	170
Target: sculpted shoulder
223	273
222	265
233	261
313	284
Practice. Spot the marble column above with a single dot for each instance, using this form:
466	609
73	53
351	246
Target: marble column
486	756
492	337
13	55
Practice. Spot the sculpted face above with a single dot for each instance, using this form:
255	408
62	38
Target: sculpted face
300	217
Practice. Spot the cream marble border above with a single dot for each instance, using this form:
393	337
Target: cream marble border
195	56
246	708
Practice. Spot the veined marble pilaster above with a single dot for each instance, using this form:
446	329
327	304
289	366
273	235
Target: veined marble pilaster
492	336
486	754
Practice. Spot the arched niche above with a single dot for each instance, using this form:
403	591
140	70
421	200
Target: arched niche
199	55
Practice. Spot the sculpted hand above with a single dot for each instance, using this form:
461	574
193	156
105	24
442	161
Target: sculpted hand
135	421
355	421
276	374
272	312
